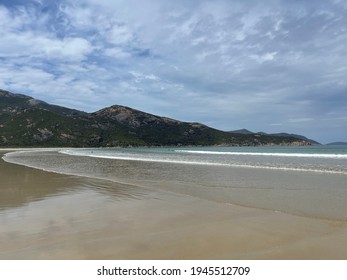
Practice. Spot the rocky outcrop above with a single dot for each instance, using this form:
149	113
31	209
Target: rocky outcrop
131	117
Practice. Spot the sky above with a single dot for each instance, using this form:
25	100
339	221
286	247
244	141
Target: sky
272	66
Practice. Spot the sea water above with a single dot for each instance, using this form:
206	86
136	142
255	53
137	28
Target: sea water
325	159
306	181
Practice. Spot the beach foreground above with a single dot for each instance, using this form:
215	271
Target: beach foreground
44	215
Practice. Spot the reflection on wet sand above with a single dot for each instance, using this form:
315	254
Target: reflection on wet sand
51	216
22	185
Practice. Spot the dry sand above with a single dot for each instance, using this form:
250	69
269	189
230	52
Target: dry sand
51	216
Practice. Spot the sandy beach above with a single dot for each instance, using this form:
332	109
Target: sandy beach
45	215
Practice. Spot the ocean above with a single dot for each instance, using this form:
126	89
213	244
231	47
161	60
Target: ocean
324	159
305	181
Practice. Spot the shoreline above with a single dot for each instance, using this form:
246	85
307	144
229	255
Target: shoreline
293	144
150	188
276	189
102	219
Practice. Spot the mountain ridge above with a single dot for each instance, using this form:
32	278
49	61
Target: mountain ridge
28	122
25	101
280	134
340	143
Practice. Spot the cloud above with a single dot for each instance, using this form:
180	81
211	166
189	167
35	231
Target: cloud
264	57
20	38
117	53
119	35
68	48
300	120
232	64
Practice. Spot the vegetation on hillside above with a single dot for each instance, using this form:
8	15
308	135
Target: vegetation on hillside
27	122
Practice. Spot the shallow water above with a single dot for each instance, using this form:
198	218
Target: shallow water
47	215
324	159
317	188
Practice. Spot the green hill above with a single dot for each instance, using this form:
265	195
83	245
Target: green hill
283	134
27	122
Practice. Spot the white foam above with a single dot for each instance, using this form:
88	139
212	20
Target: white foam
335	156
135	157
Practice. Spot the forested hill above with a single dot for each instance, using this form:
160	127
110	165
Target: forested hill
28	122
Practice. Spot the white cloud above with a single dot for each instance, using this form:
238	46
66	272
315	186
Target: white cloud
42	45
141	76
300	120
228	62
264	57
198	41
119	35
19	39
79	17
117	53
68	48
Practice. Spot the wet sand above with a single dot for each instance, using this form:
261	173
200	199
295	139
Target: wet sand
45	215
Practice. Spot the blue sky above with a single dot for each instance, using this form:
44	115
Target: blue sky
273	66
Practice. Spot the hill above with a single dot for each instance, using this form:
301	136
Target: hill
20	101
337	144
282	134
27	122
242	131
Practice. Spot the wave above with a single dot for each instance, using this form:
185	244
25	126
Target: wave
200	162
306	155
